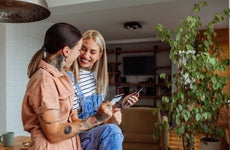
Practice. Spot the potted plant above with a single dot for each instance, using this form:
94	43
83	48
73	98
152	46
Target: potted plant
197	93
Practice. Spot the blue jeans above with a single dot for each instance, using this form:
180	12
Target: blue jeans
103	137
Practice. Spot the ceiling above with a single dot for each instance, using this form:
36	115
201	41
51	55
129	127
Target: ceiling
108	16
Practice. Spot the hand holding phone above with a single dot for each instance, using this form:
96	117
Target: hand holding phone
136	94
117	102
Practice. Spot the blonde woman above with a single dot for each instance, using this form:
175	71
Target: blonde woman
90	84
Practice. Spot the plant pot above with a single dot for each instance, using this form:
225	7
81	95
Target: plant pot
209	144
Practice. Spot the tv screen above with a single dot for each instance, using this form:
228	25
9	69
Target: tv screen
138	65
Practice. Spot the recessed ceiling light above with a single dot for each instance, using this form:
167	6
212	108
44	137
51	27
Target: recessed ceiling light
133	25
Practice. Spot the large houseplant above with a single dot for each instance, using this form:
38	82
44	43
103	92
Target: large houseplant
197	87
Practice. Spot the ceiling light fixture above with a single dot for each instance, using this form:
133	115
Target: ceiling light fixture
133	25
22	11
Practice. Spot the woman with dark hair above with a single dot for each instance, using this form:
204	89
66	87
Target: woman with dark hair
47	105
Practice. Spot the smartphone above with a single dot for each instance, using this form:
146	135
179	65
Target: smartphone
138	91
117	98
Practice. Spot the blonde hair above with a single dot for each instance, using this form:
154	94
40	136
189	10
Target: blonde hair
75	70
100	66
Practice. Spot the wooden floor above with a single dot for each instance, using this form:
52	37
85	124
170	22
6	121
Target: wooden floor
176	144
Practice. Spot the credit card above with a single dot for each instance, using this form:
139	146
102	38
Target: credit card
117	98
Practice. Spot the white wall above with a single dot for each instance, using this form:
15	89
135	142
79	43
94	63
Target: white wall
21	42
2	78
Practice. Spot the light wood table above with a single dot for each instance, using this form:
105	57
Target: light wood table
18	144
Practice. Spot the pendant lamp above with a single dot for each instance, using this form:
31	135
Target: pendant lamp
22	11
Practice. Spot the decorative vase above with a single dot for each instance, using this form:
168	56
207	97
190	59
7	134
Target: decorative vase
209	144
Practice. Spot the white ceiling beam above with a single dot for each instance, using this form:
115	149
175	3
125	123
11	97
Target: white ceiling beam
57	3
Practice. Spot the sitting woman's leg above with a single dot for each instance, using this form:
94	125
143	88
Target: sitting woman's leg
103	137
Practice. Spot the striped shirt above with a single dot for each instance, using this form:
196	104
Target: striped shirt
88	87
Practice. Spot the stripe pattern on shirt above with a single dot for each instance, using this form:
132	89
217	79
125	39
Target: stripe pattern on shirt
87	85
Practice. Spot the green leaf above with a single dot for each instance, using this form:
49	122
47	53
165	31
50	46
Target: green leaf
198	117
196	8
165	99
180	107
205	115
159	28
163	75
181	130
180	95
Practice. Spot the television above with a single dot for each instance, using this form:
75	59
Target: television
138	65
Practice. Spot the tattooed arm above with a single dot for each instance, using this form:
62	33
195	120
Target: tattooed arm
56	131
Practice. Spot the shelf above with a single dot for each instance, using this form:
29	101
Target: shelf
146	97
161	50
132	84
130	51
114	73
114	63
136	51
139	84
161	67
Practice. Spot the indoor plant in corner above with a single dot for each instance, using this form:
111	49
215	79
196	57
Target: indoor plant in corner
197	87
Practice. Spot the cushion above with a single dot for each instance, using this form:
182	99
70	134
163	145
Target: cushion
138	124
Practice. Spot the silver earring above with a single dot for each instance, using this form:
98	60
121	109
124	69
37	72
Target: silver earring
44	54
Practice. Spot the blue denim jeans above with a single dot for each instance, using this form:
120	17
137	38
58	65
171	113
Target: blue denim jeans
103	137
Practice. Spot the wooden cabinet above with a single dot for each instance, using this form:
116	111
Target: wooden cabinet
153	86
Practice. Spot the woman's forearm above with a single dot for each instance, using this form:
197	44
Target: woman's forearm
55	131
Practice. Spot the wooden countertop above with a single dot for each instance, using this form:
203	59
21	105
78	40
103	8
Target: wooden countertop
18	144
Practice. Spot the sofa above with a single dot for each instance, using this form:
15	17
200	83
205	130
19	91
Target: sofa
138	128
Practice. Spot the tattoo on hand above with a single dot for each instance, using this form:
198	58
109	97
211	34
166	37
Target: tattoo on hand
101	116
68	129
